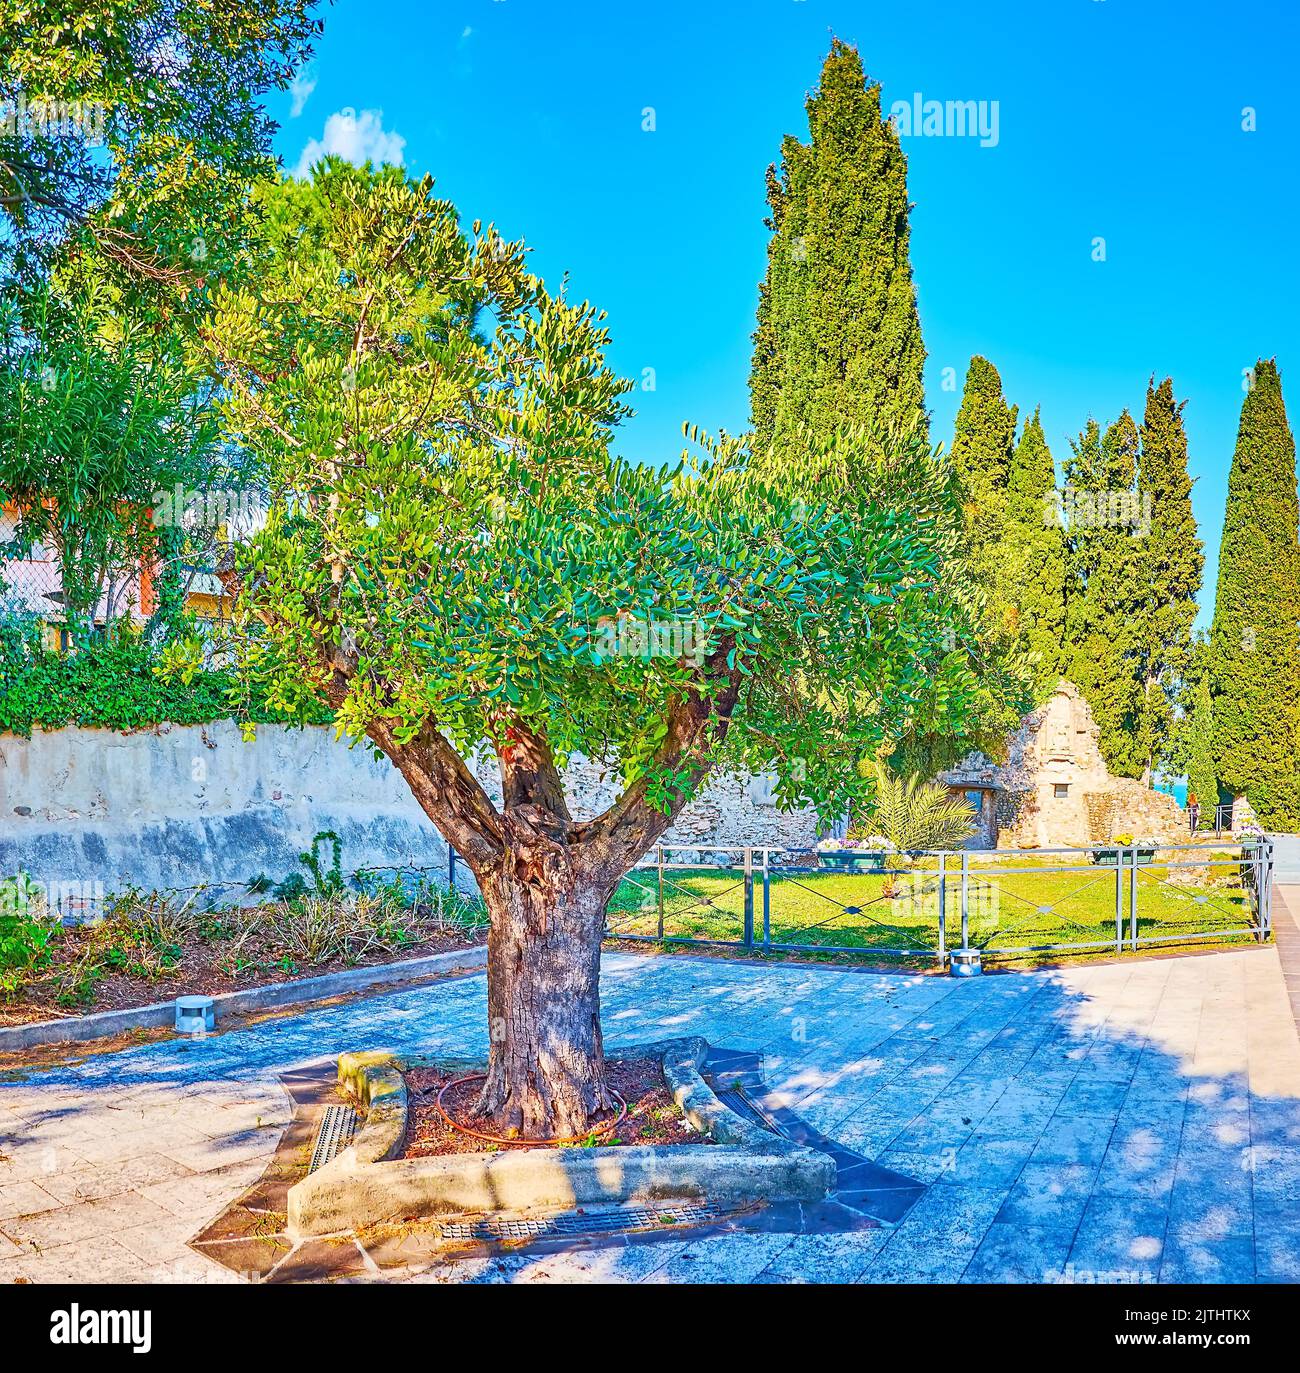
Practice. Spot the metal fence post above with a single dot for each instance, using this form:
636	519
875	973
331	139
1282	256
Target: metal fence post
1256	864
943	908
1133	897
451	867
965	900
748	938
661	890
1263	887
767	901
1119	899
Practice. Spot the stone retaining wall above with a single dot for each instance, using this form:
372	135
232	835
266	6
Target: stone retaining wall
90	811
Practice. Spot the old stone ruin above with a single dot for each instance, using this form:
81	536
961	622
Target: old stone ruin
1054	789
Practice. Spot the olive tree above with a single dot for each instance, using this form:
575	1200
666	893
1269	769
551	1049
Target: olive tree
457	564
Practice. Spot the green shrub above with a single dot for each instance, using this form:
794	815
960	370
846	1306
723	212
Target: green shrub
26	933
325	881
119	683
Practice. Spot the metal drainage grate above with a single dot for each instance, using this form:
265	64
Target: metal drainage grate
734	1096
337	1127
571	1226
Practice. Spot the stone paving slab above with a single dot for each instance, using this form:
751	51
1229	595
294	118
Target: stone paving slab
1286	934
825	1258
1137	1117
1012	1252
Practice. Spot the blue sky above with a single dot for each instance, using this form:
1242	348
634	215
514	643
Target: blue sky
1117	119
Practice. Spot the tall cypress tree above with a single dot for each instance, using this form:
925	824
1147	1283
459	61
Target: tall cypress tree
983	443
1170	566
1033	555
838	337
1255	648
1104	592
1199	751
982	446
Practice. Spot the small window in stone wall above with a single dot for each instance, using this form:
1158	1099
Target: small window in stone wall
1060	790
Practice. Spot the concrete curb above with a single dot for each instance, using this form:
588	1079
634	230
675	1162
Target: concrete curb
702	1106
377	1083
365	1185
163	1013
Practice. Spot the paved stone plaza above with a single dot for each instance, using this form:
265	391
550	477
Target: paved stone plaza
1137	1121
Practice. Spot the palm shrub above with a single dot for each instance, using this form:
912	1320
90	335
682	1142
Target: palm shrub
913	814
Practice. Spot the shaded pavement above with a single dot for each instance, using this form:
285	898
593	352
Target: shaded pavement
1129	1122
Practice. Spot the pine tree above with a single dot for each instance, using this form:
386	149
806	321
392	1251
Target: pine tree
1104	590
1255	652
1033	555
838	337
1170	567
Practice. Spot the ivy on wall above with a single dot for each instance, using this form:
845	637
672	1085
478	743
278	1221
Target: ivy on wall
114	684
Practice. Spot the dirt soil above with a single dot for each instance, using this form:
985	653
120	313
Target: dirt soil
653	1117
203	970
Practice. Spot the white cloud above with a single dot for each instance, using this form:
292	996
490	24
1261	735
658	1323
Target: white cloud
300	88
356	138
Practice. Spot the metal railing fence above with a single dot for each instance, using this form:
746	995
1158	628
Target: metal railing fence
930	905
925	906
1203	819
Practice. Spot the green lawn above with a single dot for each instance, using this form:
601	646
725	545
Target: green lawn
1012	903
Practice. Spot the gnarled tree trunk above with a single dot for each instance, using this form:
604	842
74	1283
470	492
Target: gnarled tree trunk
545	879
546	1069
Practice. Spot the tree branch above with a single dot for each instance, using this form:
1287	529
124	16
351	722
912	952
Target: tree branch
448	792
529	778
612	842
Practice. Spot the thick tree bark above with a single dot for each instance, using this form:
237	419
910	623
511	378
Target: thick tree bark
546	880
546	1069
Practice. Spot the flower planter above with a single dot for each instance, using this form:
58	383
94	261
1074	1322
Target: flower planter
843	860
1108	858
370	1184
